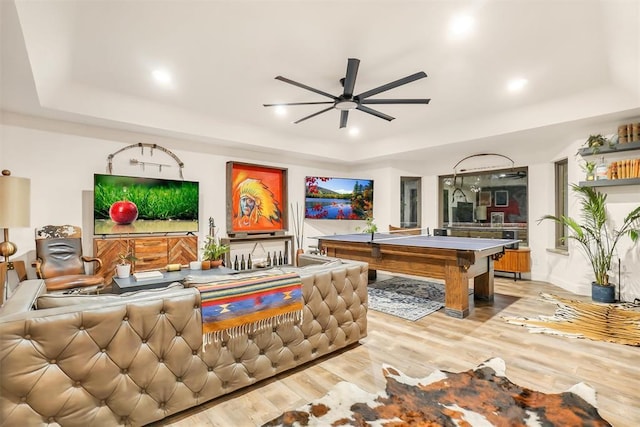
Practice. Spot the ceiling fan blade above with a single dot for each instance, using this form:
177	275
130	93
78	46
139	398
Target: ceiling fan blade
284	104
344	116
394	84
303	86
313	115
350	78
395	101
374	112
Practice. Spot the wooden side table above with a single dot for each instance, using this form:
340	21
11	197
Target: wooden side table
516	261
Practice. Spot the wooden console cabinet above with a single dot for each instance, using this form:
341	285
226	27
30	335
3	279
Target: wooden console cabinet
516	261
153	253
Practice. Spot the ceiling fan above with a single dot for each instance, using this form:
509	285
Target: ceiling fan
348	101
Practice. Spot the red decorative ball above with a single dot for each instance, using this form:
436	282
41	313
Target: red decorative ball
123	212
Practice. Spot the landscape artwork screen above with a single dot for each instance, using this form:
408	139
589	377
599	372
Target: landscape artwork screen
338	198
127	204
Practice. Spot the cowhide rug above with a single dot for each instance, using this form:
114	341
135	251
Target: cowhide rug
618	323
478	397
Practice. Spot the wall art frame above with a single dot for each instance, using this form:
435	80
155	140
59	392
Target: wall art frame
501	198
485	198
256	199
497	219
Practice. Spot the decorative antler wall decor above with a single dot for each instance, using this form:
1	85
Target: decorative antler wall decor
142	164
455	171
474	187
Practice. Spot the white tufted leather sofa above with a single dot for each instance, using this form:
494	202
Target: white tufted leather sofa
140	359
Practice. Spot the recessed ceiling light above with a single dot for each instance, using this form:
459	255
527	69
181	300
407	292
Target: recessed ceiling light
517	85
281	110
354	131
161	76
461	26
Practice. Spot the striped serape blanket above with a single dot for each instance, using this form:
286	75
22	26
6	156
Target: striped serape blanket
248	304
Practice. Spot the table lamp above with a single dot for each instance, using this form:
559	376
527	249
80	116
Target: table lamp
14	212
481	213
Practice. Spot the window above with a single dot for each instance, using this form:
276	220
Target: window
487	203
562	202
410	202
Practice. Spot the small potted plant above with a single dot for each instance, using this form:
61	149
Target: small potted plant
126	257
212	252
589	167
596	141
370	226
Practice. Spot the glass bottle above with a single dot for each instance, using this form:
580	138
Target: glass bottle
249	263
243	264
280	260
601	170
236	265
268	259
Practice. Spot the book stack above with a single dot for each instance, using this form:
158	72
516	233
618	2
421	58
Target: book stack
624	169
629	132
148	275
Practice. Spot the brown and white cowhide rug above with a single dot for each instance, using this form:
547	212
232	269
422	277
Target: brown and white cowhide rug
479	397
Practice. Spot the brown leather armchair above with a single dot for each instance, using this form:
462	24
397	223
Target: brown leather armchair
59	259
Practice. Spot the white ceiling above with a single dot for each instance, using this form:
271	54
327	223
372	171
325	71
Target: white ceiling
90	62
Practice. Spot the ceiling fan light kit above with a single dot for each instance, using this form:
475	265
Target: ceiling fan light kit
348	101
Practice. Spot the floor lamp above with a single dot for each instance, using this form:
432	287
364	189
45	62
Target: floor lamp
14	212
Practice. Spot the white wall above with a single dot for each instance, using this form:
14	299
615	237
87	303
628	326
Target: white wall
571	270
61	167
61	164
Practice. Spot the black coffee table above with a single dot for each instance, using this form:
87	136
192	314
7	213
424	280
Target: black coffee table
130	283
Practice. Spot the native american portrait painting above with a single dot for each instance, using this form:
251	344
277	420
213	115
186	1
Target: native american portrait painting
256	198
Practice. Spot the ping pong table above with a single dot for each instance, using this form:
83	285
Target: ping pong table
454	259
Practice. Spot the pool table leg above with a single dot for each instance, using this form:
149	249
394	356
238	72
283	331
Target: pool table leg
456	294
483	283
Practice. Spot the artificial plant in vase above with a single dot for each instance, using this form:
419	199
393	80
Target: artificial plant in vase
370	227
589	167
213	250
597	237
126	258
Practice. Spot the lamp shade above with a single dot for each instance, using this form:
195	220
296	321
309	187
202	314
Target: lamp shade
15	196
481	213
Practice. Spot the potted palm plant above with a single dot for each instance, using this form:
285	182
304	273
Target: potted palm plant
597	237
212	251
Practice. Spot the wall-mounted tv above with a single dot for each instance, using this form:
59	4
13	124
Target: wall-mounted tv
127	204
338	198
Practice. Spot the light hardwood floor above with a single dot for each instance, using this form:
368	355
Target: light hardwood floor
543	362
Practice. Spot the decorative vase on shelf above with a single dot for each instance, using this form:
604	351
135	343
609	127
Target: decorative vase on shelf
298	253
216	263
206	264
123	270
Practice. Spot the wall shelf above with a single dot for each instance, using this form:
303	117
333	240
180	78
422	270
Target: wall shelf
610	182
616	148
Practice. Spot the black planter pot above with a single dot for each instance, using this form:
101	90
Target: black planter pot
603	293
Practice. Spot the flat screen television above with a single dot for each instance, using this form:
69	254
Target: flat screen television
338	198
127	204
